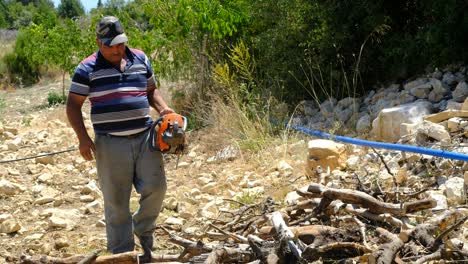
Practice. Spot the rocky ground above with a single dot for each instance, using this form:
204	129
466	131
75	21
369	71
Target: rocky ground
52	205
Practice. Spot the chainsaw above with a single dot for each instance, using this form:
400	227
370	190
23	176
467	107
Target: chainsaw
169	136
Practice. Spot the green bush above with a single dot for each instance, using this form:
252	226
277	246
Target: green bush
54	98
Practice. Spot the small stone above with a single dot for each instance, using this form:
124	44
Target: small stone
101	223
87	198
44	200
45	160
174	221
9	226
61	243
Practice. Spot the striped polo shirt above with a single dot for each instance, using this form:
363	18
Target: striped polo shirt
119	103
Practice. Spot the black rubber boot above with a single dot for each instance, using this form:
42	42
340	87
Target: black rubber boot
147	245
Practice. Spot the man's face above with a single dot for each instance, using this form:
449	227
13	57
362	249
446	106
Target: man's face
114	54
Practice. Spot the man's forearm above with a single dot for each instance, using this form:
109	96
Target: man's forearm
156	101
75	117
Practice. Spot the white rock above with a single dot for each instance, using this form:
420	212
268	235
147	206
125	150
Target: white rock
44	200
228	153
455	190
33	237
9	226
386	127
92	189
93	206
171	203
456	124
440	198
9	188
194	192
432	131
61	218
174	221
283	166
58	222
35	168
45	178
353	162
101	223
13	172
14	144
293	198
4	217
87	198
210	188
183	164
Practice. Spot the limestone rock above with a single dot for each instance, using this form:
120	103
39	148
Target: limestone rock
326	154
428	130
228	153
9	188
386	127
174	221
455	190
45	160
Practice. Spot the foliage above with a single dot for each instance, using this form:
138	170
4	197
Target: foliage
54	98
303	49
24	62
70	9
238	105
247	198
64	39
17	14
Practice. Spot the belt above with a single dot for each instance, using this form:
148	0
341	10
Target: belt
132	136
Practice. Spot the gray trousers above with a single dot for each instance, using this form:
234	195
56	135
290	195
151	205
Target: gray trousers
122	163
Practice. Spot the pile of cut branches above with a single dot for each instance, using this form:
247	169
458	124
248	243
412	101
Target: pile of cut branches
328	226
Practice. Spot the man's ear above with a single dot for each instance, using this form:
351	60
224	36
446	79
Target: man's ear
98	42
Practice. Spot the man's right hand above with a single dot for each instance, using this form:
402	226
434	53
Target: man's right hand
74	105
87	149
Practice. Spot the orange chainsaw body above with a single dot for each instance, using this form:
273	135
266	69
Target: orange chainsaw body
170	133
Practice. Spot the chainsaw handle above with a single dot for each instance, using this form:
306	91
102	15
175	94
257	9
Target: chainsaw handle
185	122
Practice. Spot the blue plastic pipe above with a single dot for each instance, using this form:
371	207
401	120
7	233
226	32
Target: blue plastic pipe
400	147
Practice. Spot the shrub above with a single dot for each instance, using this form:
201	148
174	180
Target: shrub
54	98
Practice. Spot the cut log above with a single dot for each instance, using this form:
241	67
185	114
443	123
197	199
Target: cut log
385	218
365	200
285	237
123	258
340	250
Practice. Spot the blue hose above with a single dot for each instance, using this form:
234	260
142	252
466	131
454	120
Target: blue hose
400	147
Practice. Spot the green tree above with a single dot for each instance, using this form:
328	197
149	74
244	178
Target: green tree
70	9
3	14
114	6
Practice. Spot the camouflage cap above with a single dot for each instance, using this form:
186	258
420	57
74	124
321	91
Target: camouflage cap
110	31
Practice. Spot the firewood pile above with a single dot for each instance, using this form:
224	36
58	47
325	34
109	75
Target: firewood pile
330	225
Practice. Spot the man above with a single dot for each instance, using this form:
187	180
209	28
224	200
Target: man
120	85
